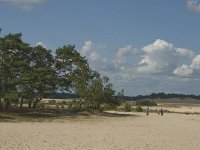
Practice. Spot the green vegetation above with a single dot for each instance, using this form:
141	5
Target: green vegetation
163	96
146	102
127	107
30	73
139	108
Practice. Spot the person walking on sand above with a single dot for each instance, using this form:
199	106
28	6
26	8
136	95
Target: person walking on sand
161	111
147	110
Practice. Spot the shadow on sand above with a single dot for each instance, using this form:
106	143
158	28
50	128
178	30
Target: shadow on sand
48	115
113	114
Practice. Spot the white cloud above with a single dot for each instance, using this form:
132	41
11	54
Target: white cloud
159	66
188	70
184	52
87	48
41	44
184	71
194	5
23	4
94	56
122	53
150	65
163	57
196	62
92	52
158	45
159	57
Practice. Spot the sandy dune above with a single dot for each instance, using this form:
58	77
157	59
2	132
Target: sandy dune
136	132
180	108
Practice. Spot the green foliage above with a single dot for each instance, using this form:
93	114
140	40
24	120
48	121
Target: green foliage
107	107
139	108
41	106
77	106
62	106
127	107
52	102
57	106
165	96
64	103
32	73
72	68
97	90
146	102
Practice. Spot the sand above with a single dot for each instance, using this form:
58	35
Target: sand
180	108
135	132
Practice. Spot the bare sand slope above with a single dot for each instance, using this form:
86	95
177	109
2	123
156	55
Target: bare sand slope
139	132
180	109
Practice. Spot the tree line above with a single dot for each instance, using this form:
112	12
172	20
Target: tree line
164	96
31	73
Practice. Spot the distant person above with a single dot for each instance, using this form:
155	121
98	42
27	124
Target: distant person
147	110
161	111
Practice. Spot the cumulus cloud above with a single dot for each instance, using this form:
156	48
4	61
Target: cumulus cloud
159	65
122	53
183	71
188	70
196	62
159	57
41	44
94	56
158	45
194	5
87	48
23	4
92	52
184	52
162	57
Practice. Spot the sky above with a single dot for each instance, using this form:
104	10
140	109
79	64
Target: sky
143	46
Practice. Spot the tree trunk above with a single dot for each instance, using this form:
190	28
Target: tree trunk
21	103
0	104
6	104
3	104
29	103
98	106
36	102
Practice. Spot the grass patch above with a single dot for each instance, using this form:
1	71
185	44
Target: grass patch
38	115
6	118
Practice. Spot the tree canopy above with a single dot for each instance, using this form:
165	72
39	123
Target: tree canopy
33	72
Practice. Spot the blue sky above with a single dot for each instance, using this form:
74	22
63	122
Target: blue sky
143	46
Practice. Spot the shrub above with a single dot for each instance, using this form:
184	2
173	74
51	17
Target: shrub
41	106
75	106
69	106
106	106
85	106
62	106
64	102
139	108
57	106
127	107
52	102
146	102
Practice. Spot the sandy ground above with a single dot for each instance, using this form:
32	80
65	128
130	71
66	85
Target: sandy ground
136	132
180	109
185	109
